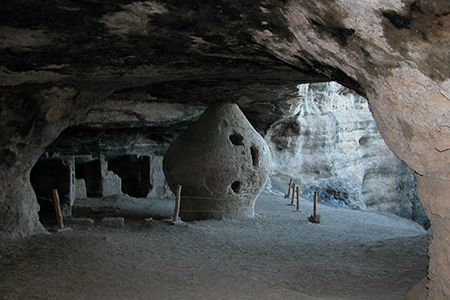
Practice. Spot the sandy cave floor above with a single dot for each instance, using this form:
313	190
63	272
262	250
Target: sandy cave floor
276	255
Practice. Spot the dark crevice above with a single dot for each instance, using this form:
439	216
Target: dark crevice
400	22
338	33
255	156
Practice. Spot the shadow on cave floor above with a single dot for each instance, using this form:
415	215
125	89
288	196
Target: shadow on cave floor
277	254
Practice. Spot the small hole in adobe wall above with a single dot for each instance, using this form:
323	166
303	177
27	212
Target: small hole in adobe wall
236	186
236	139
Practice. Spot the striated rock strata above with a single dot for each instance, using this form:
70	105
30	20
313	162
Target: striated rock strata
328	142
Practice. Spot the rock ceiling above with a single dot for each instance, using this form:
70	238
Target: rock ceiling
148	41
190	53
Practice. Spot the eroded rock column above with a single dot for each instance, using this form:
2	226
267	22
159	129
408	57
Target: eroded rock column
18	205
434	193
33	116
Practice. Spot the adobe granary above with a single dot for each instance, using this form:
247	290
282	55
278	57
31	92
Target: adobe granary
221	162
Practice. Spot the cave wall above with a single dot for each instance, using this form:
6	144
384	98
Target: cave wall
329	142
397	54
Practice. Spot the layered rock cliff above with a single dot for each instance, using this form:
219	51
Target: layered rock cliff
328	142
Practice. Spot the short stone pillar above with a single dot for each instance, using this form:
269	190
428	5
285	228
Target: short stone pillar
221	162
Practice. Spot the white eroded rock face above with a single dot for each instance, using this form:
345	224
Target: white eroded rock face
221	162
330	143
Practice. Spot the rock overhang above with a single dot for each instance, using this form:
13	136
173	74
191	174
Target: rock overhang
121	37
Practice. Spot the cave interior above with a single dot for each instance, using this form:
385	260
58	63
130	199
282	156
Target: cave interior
92	93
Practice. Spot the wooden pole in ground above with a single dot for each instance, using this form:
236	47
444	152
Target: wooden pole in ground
298	198
57	206
177	204
293	194
290	187
315	204
315	218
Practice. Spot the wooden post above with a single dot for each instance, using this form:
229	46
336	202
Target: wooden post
315	218
57	206
298	198
290	187
315	204
293	194
177	204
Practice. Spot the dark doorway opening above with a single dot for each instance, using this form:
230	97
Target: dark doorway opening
134	170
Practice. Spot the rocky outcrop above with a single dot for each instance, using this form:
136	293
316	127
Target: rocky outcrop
221	162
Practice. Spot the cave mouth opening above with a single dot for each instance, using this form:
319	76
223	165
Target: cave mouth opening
330	143
293	236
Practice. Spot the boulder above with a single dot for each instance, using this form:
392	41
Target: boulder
221	162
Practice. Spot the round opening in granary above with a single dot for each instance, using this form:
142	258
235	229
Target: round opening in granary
255	155
236	186
236	139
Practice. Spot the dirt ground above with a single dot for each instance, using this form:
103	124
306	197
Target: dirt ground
277	254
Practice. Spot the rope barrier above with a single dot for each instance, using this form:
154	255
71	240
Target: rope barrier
209	198
51	200
204	198
229	199
128	213
216	211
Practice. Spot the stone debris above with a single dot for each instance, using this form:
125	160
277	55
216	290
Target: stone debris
81	221
177	223
147	221
114	222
